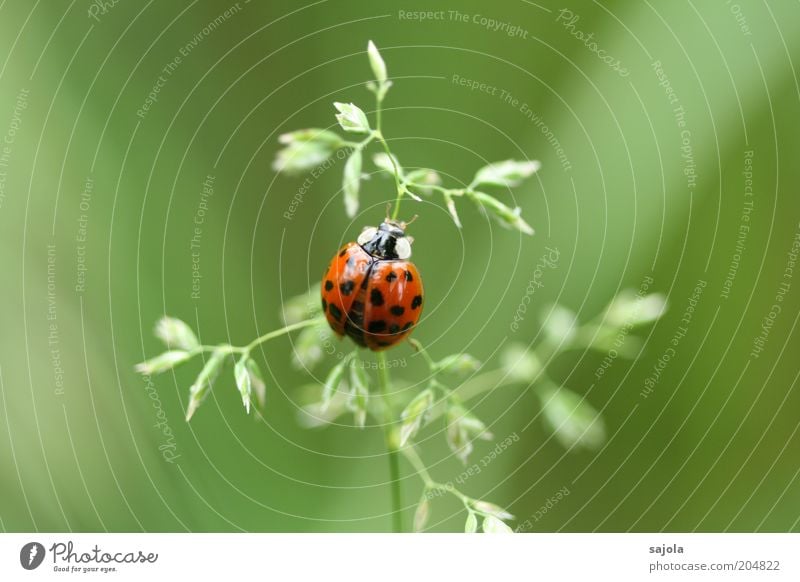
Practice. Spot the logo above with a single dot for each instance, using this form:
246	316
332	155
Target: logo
31	555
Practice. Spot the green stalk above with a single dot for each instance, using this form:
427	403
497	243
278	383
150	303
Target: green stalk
391	444
377	133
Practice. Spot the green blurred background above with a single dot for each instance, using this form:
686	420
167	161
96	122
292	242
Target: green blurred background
86	274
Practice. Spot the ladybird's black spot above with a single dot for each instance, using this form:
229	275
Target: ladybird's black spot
397	310
376	297
394	328
328	285
376	326
357	306
408	276
335	312
355	333
408	325
416	302
324	305
347	287
391	277
344	250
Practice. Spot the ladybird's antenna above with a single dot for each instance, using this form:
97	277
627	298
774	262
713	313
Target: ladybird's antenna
416	216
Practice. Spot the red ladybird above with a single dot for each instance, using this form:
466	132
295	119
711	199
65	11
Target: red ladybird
371	291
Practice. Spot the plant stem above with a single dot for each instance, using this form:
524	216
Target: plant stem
279	332
391	444
378	134
413	457
424	353
259	340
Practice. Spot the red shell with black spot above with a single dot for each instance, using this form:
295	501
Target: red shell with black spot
375	301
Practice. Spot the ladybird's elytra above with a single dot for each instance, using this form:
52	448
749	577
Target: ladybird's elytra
371	292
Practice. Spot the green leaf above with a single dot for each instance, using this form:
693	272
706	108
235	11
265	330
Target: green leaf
333	380
421	514
506	216
308	350
359	384
461	364
493	525
164	362
462	429
520	363
376	62
202	385
176	334
628	308
352	182
302	307
508	173
471	526
561	325
573	421
300	156
351	118
384	162
451	208
311	413
492	509
312	134
243	381
422	178
414	415
257	381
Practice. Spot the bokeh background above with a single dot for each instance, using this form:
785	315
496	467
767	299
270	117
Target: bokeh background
98	207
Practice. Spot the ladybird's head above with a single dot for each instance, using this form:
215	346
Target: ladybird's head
387	241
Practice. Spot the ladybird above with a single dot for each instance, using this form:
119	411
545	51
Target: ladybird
371	292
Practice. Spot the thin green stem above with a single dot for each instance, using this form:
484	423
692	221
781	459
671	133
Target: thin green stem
442	189
398	184
424	353
413	457
391	444
378	134
228	349
277	333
